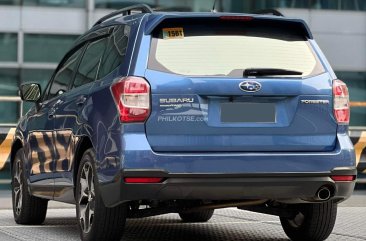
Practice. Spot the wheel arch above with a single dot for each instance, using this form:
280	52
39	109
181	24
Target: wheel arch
17	144
84	144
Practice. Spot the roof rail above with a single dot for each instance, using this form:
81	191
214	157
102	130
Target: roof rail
269	12
126	11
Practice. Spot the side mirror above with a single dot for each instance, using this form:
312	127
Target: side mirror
30	92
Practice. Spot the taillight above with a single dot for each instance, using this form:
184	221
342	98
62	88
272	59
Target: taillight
237	18
341	102
132	97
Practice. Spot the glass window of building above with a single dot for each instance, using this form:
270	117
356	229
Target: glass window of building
46	47
115	51
89	65
236	5
162	5
55	3
361	5
339	4
255	5
12	110
187	6
9	82
116	4
327	4
8	47
10	2
356	82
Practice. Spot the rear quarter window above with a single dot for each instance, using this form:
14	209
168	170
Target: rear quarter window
90	62
116	50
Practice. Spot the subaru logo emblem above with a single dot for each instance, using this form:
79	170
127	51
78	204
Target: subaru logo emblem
250	86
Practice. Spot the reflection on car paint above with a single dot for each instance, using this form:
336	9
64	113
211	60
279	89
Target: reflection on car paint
49	146
42	152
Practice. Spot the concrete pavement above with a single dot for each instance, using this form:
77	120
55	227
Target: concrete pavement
227	224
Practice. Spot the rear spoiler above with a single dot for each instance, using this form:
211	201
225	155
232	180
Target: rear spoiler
301	27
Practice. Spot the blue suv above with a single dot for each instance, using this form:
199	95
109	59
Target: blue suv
154	112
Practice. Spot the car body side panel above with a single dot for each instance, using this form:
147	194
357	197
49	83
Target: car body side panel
101	116
40	141
139	56
67	135
35	130
96	120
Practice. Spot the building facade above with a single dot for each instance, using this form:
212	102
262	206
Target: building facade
35	34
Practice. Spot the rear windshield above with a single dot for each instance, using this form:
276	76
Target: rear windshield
222	48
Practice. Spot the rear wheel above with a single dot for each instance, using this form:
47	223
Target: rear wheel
95	221
314	222
201	216
27	209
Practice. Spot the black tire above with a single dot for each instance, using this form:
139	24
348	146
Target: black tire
197	217
106	224
27	209
314	222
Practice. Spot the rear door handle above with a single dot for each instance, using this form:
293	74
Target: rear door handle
81	100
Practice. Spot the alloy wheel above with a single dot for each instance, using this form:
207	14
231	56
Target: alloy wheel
86	198
18	188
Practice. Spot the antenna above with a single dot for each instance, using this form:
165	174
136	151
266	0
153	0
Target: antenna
213	10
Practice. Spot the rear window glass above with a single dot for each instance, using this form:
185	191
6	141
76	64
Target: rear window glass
221	48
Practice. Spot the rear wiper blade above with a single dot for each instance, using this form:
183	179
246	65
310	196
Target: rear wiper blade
269	71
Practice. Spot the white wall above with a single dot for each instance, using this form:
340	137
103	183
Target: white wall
43	20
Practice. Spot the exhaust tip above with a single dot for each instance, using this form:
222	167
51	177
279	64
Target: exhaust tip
324	193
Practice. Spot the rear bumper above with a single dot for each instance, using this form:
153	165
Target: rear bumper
283	187
285	176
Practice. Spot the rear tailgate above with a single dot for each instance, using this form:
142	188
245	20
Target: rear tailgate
202	103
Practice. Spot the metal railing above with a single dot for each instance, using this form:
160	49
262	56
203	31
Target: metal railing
12	99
